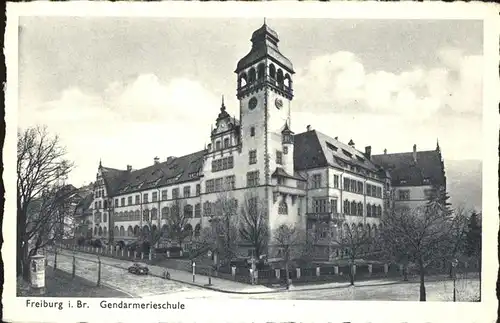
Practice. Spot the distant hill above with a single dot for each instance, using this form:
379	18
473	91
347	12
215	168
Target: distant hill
464	179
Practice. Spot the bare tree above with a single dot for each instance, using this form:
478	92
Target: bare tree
225	225
421	233
41	172
177	223
354	241
290	241
254	223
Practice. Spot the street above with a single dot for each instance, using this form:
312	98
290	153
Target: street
115	275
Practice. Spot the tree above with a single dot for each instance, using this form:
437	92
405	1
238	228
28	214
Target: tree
224	225
290	241
153	233
42	197
355	241
254	224
422	234
177	223
473	241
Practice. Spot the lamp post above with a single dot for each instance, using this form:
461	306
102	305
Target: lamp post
454	264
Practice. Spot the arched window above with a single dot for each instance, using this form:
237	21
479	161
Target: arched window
145	230
379	211
375	231
130	216
345	230
251	75
369	230
360	229
164	228
100	231
288	81
116	231
347	207
283	208
137	216
360	209
188	211
226	142
122	231
368	210
243	80
188	228
95	231
272	71
154	229
353	208
146	215
164	213
136	231
279	77
197	230
374	210
154	214
105	231
261	71
130	231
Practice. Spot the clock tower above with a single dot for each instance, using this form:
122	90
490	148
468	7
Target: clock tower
265	93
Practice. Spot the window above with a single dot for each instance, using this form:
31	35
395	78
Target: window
279	157
188	211
218	184
217	145
253	179
379	211
252	131
429	192
283	208
116	202
252	157
353	185
404	195
155	196
319	206
164	213
333	206
347	207
154	214
187	191
316	181
198	189
368	190
336	181
122	201
281	181
226	143
207	209
347	184
100	204
222	164
360	187
137	199
360	209
145	198
163	195
374	210
145	215
353	208
368	210
175	193
105	217
197	210
230	182
129	200
210	186
379	191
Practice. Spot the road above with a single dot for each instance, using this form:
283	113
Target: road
114	274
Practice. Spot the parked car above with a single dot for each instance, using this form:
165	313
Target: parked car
138	269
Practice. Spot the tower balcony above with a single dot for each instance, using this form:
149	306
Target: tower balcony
288	190
326	217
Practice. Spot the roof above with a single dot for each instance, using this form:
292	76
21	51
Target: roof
402	167
86	202
314	149
282	173
264	44
173	171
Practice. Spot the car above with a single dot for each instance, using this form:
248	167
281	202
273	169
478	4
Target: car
138	269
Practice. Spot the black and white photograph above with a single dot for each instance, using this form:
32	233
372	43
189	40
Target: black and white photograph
230	158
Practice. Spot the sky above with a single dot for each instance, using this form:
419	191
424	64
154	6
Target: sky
124	90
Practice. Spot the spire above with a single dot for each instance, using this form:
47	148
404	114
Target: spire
100	163
438	149
223	113
222	106
264	21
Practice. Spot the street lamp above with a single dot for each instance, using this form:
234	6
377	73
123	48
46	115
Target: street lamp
454	264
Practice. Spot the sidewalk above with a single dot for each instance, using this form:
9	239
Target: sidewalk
218	284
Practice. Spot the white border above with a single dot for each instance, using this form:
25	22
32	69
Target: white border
270	311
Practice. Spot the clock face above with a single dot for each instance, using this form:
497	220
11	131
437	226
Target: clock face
252	103
279	103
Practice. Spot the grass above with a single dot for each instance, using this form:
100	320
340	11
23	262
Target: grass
60	284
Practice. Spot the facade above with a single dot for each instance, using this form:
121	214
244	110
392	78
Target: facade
307	179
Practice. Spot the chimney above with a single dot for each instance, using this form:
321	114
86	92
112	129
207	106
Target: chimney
170	158
336	138
308	127
368	152
129	168
351	143
157	160
414	153
385	151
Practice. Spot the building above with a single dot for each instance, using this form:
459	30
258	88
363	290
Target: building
307	179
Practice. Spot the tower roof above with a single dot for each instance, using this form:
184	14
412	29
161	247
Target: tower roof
265	44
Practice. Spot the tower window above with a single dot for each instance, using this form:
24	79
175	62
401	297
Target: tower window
226	142
280	77
251	75
252	157
217	145
283	208
279	157
285	150
261	71
252	131
272	71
